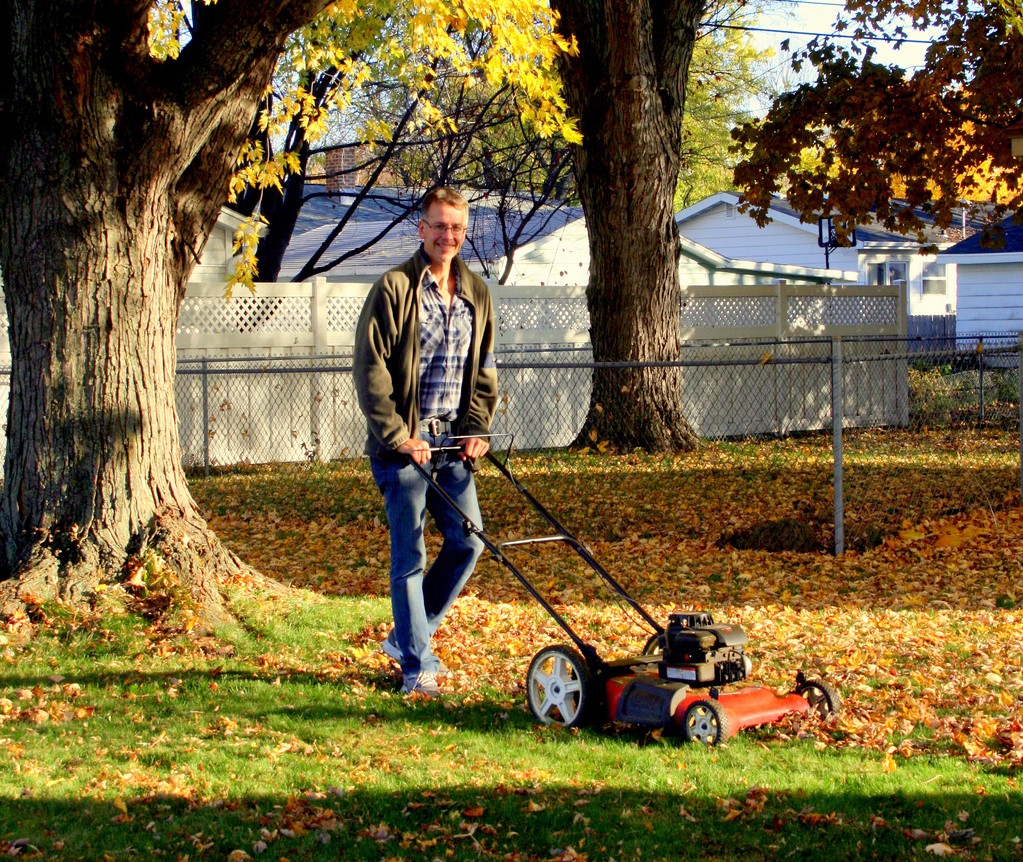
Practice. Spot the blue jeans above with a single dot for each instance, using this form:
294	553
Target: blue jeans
419	601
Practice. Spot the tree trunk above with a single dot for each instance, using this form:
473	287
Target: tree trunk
628	87
111	170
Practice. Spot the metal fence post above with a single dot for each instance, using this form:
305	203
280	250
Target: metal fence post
980	385
205	420
837	418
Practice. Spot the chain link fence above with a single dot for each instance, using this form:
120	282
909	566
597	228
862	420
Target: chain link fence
928	428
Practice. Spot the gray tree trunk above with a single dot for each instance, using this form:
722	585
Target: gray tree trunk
113	168
628	87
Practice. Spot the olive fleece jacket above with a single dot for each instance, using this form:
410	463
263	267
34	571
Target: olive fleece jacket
386	362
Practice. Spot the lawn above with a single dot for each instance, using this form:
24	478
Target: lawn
285	737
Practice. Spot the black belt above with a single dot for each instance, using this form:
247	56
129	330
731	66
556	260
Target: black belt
435	427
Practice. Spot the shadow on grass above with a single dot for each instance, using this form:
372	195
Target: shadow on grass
524	822
642	798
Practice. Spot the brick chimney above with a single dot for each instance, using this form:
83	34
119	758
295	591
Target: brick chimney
339	166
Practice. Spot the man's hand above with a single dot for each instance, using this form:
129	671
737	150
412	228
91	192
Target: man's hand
417	450
474	447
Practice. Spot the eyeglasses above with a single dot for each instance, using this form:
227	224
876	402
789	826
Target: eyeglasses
456	229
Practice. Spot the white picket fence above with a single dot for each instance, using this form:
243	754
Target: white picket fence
318	317
292	399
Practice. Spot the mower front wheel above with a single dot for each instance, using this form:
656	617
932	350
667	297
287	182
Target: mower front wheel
705	721
822	696
560	688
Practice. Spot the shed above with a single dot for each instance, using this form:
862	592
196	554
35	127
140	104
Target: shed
990	283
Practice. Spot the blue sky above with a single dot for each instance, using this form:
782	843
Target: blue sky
818	16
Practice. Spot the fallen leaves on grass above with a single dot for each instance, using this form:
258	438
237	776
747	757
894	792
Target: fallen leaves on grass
921	630
56	703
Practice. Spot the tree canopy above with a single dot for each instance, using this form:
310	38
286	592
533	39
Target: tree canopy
726	74
464	130
435	78
871	140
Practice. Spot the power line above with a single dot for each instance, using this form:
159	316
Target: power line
851	37
812	3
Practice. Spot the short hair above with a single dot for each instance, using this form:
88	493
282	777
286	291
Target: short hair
443	195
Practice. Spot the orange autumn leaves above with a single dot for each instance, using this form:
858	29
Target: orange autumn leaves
923	633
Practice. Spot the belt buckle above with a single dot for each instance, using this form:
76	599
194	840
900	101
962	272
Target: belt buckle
434	426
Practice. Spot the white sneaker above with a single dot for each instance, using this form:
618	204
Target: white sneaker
389	648
424	683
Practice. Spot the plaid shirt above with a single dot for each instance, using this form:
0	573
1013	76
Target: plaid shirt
444	338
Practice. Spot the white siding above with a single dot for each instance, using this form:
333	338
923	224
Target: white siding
990	298
740	238
919	302
737	236
560	258
563	259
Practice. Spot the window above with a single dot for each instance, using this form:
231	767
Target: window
891	272
935	283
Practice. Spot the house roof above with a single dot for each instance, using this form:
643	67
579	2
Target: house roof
385	244
971	250
870	235
973	244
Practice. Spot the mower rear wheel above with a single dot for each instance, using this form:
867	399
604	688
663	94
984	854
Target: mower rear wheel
559	687
822	696
705	721
654	645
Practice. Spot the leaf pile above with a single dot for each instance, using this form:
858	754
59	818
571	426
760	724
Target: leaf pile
922	632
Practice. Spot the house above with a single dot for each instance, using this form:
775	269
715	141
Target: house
879	256
560	257
990	283
556	255
217	261
381	243
563	258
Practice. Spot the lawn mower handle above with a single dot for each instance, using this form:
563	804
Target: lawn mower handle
562	535
570	539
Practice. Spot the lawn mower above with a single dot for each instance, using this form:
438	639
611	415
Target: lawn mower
676	684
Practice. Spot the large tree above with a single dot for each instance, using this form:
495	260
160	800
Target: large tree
115	152
108	156
627	85
869	140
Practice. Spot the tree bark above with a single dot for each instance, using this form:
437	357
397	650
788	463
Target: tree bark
112	164
628	85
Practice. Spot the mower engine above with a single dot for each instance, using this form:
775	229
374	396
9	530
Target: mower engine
701	653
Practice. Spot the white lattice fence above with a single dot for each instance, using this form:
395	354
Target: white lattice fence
784	311
735	312
313	317
319	317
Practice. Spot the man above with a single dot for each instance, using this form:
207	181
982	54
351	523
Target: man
425	377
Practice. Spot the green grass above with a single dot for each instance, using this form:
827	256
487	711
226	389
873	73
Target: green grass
284	738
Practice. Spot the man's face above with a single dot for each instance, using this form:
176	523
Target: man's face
442	231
